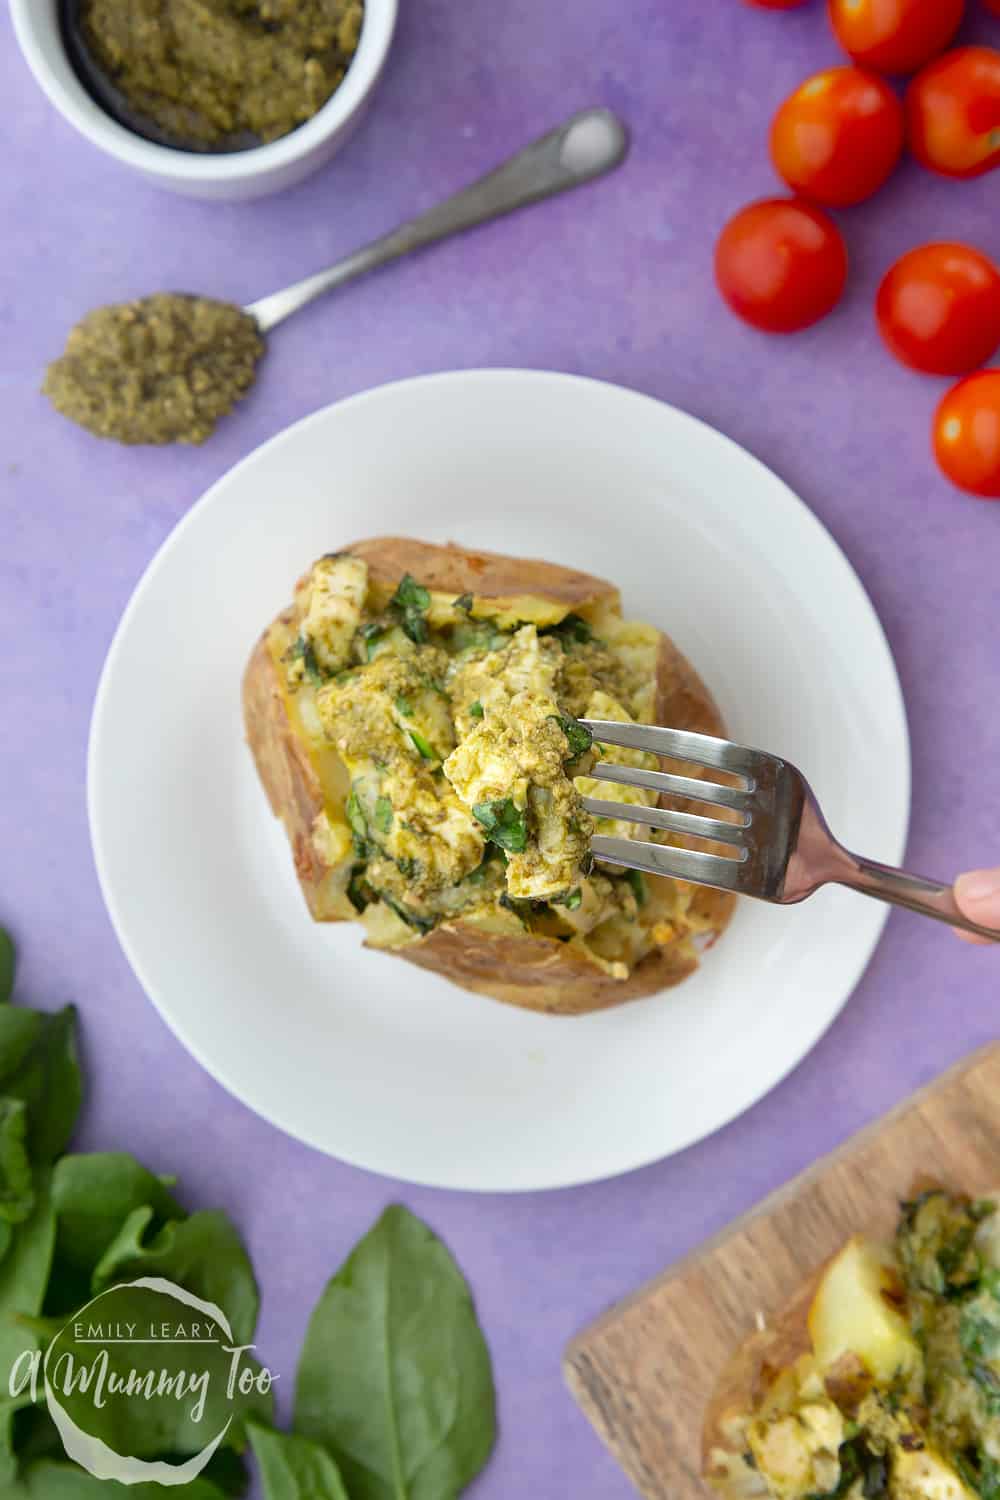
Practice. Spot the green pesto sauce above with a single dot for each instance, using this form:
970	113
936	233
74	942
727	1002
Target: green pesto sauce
164	369
210	73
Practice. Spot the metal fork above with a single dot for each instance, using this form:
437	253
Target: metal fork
782	848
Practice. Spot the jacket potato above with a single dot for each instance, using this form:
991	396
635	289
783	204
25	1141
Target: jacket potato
413	716
881	1377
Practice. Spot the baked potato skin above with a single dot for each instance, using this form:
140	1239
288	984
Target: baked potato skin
288	776
749	1373
453	569
528	970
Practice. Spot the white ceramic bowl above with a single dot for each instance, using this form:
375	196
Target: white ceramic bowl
227	175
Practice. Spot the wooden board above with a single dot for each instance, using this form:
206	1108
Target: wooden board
644	1371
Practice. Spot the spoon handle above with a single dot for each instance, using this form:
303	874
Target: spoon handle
586	146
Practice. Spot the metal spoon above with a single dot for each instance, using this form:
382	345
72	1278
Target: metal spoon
586	146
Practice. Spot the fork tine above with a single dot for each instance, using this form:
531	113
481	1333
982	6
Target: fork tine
690	824
675	744
669	785
661	859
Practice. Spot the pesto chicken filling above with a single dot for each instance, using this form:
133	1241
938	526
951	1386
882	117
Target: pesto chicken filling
910	1407
459	731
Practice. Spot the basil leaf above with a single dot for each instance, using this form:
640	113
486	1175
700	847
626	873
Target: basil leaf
203	1253
93	1196
17	1196
505	824
8	964
410	604
294	1467
38	1064
475	710
422	746
395	1377
578	736
383	814
635	880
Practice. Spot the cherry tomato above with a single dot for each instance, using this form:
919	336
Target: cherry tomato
895	36
967	434
781	264
838	137
993	5
939	309
953	113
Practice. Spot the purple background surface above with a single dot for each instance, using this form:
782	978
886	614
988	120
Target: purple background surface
613	282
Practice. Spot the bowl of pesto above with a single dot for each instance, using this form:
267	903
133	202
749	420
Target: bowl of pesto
222	99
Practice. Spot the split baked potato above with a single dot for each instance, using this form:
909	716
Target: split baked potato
880	1380
413	716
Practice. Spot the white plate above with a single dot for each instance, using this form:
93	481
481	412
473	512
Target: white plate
369	1058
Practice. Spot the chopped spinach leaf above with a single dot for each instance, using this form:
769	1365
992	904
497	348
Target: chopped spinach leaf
505	824
578	736
475	710
356	817
572	900
371	633
464	603
979	1337
409	868
635	880
359	892
980	1471
383	815
491	855
410	604
411	918
422	746
478	635
857	1461
572	630
404	707
303	651
522	906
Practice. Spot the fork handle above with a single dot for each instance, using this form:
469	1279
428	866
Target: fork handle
928	897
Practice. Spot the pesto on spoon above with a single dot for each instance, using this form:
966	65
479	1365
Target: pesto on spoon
165	369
